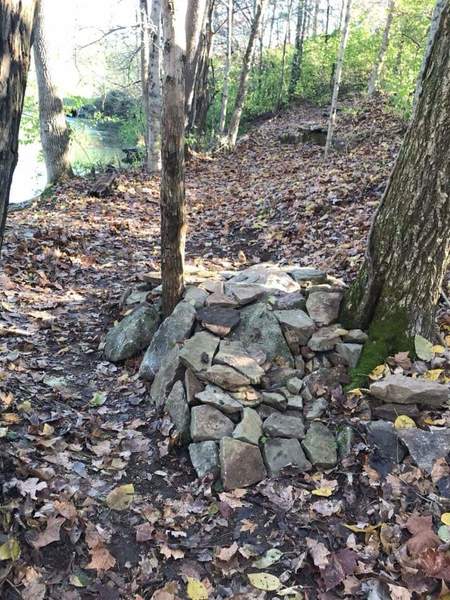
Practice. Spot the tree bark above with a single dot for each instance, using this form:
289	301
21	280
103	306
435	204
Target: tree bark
298	50
283	56
16	26
201	97
397	289
145	55
154	90
337	77
195	22
316	17
378	65
227	67
173	204
55	135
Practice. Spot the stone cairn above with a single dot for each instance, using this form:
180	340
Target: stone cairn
245	367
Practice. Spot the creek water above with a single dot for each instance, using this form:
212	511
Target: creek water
91	144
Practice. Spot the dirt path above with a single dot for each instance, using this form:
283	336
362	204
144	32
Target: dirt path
75	427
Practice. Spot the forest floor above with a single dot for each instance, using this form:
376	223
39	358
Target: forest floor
75	426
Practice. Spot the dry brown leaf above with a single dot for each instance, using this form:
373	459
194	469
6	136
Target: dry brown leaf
423	535
226	554
144	532
101	559
66	509
168	552
50	534
318	552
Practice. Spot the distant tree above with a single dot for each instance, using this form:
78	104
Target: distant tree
296	66
378	64
408	251
154	90
195	22
235	121
227	67
337	76
144	24
173	202
16	27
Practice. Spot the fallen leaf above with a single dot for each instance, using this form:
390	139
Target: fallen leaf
196	590
377	373
404	422
50	534
424	348
168	552
120	498
271	557
319	552
423	534
362	528
226	554
264	581
98	399
323	491
10	550
445	518
101	559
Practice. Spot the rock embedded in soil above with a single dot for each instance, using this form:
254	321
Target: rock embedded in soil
215	396
178	409
384	437
350	353
260	326
241	464
225	377
296	326
176	328
197	352
323	306
208	423
133	334
326	338
280	453
320	446
399	389
425	447
284	426
234	355
204	458
294	385
170	371
250	428
219	320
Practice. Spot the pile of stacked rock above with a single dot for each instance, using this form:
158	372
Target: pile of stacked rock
245	366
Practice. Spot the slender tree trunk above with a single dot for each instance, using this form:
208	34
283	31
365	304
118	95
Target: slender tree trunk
327	22
154	90
272	22
283	57
316	16
337	77
16	26
226	73
298	50
408	251
195	22
145	55
173	202
378	65
245	72
201	100
55	135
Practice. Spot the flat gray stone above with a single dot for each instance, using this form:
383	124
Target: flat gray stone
268	276
241	464
260	326
296	326
317	408
178	410
350	353
250	428
219	299
384	437
215	396
325	377
304	275
356	336
234	355
389	412
196	296
399	389
426	447
280	453
326	338
173	330
225	377
192	385
245	294
197	353
204	458
170	371
288	301
284	426
219	320
275	399
208	423
133	334
320	446
323	306
295	402
294	385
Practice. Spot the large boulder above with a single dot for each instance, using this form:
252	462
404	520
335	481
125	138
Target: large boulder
280	453
173	330
241	464
208	423
260	326
399	389
133	334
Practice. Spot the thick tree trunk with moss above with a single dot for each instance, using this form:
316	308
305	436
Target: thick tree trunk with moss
408	251
173	203
16	26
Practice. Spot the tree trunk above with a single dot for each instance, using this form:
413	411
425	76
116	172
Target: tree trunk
202	97
16	25
272	22
337	77
195	21
226	74
154	90
55	135
173	203
298	50
244	76
316	16
397	289
283	56
327	22
145	55
378	65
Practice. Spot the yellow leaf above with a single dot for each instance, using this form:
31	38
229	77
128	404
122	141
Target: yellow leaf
447	340
323	491
10	550
424	348
196	590
433	374
445	518
377	373
120	498
264	581
438	349
404	422
434	422
355	392
363	529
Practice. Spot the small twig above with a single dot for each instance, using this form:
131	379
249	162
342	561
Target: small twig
444	295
